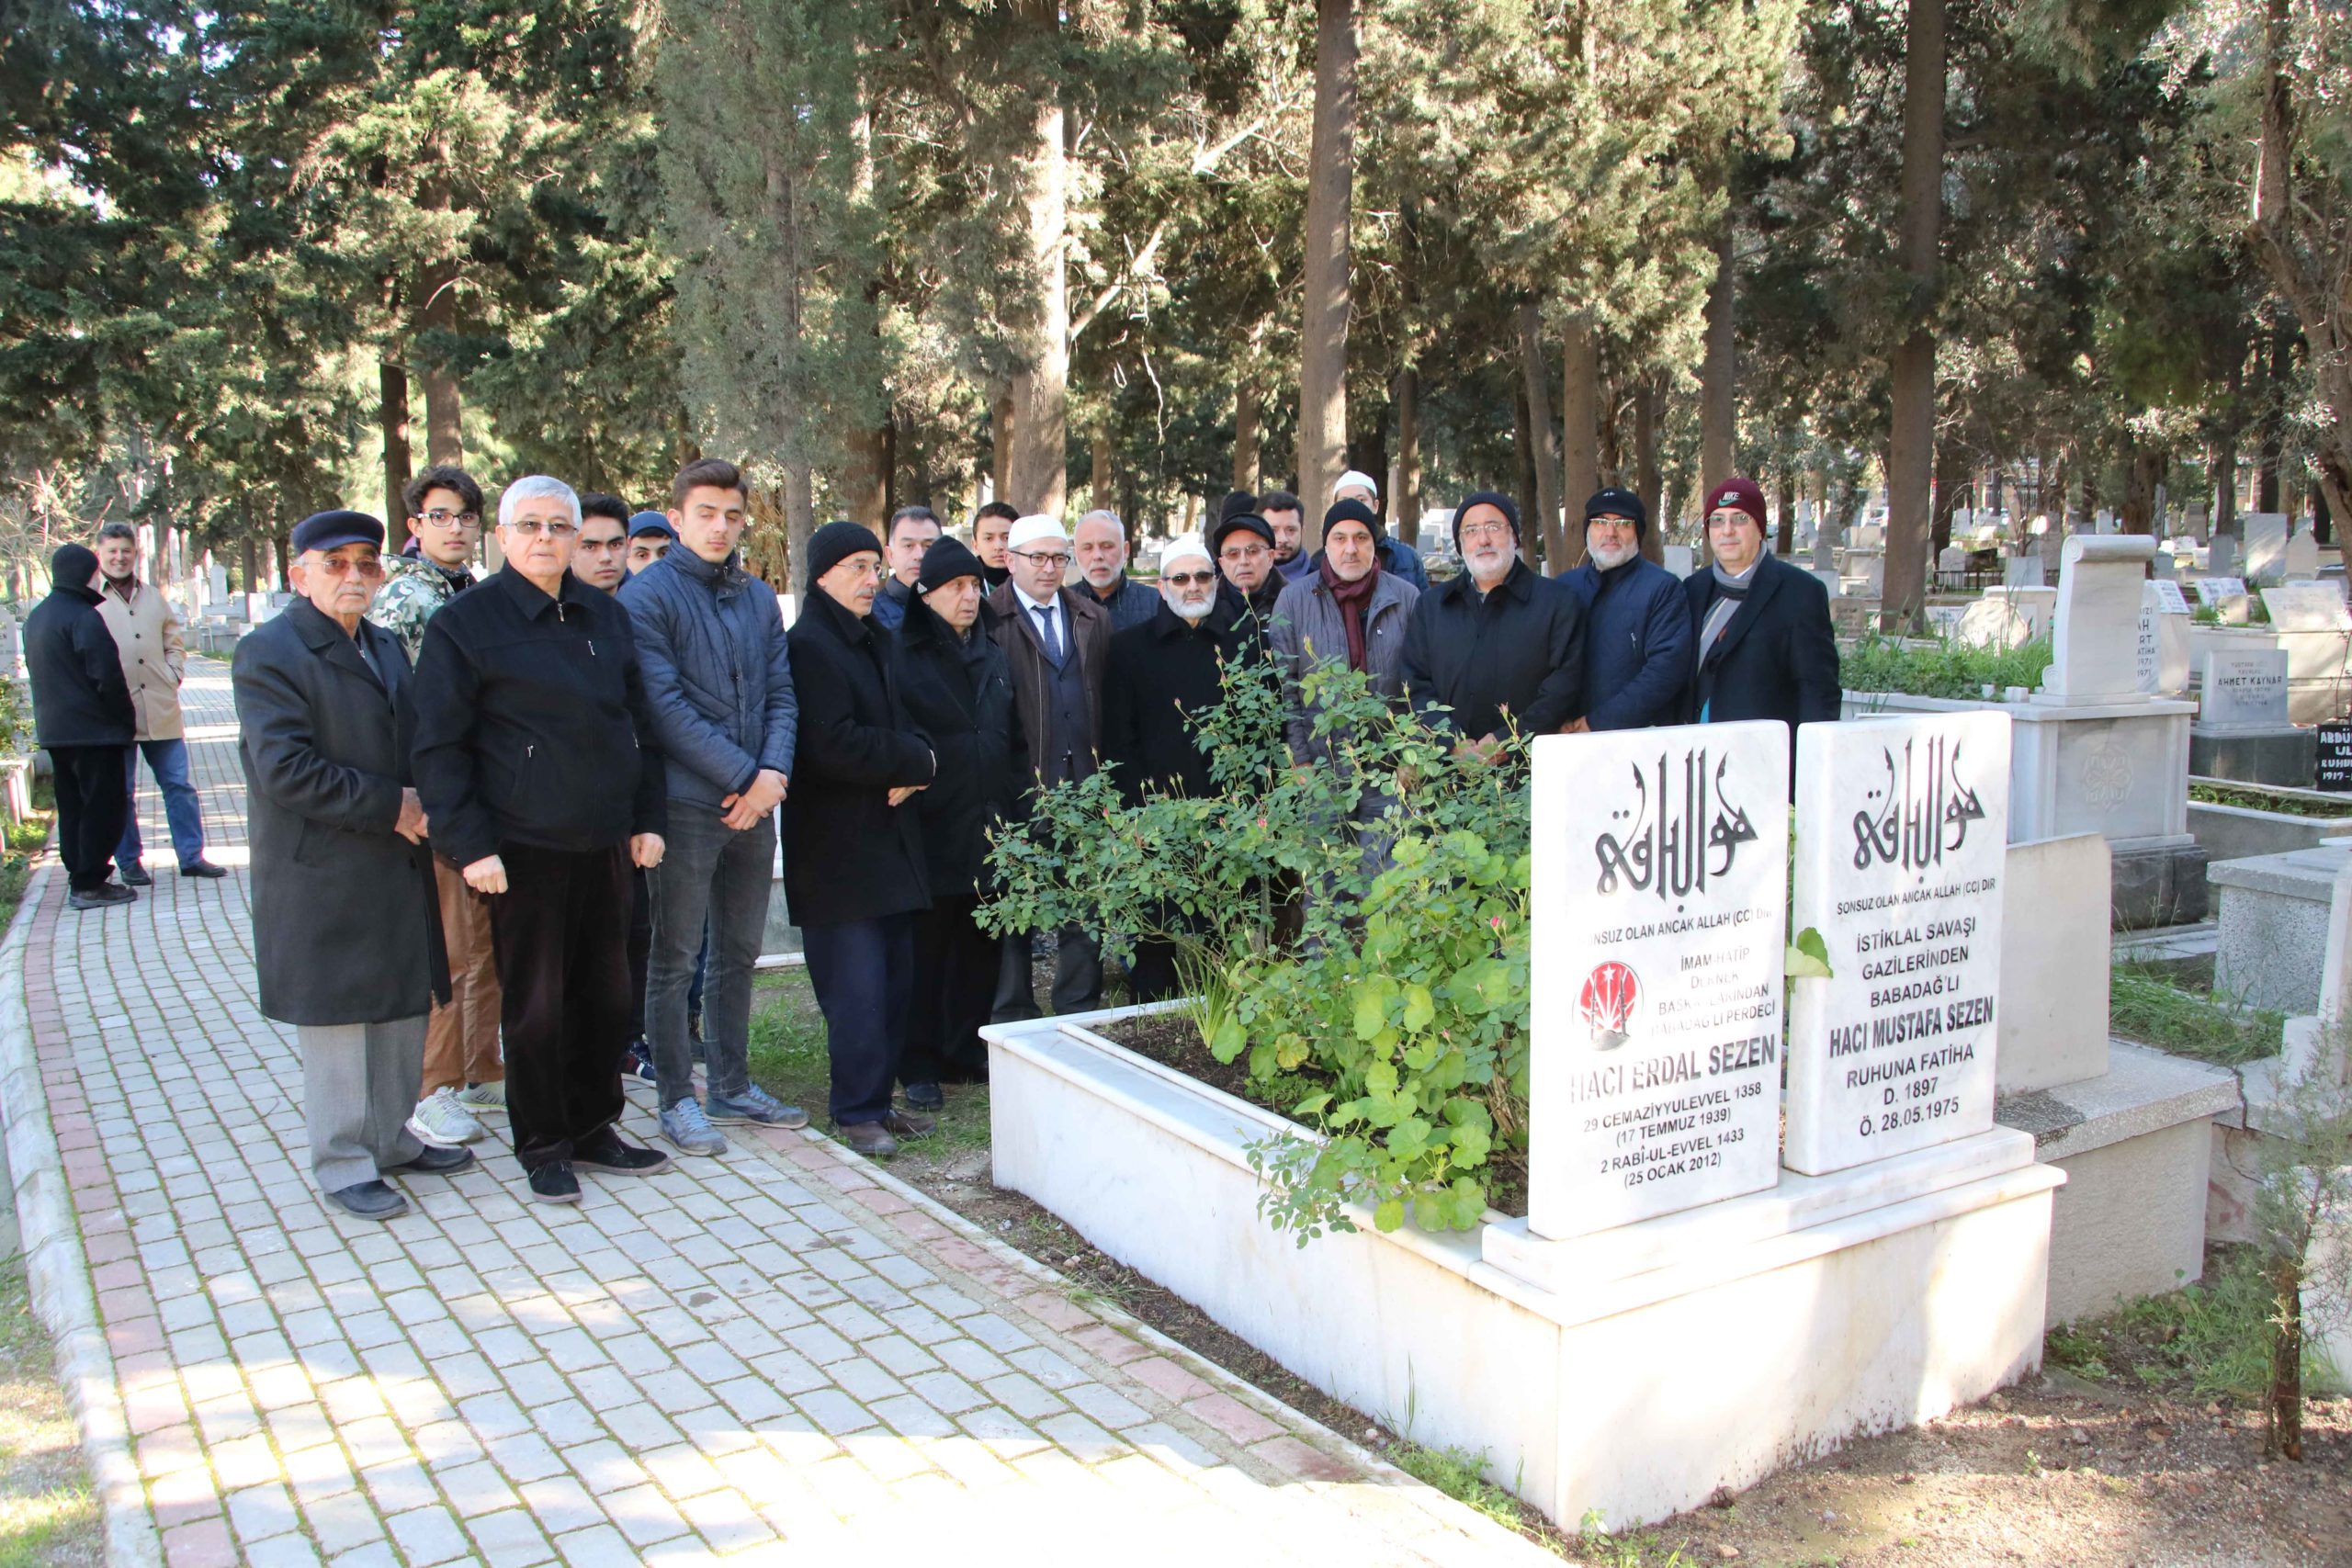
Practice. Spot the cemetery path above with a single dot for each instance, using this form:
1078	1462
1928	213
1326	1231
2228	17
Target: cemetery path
762	1356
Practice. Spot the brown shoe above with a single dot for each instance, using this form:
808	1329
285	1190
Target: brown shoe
870	1138
906	1124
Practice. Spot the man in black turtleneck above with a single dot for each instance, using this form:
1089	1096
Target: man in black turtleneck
83	717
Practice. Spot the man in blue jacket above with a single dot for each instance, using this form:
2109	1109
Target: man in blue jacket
1637	624
718	678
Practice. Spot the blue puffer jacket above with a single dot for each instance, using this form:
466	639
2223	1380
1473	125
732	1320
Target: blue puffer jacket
1638	643
717	675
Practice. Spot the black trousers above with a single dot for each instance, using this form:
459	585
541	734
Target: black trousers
564	967
640	948
1078	975
93	799
862	972
956	975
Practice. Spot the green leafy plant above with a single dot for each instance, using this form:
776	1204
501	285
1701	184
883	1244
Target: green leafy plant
1944	668
2143	1005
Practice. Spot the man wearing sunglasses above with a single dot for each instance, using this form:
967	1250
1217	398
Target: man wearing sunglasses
465	1074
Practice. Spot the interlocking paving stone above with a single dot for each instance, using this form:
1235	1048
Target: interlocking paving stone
772	1355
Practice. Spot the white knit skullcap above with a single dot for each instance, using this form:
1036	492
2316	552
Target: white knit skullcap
1028	530
1356	477
1184	545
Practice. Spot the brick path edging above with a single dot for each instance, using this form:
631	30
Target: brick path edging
57	1271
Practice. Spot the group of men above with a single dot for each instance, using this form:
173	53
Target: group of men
454	785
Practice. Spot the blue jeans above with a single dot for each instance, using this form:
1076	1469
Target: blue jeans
710	876
167	759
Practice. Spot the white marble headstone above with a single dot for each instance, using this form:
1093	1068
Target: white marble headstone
2226	596
2303	555
1902	842
2022	572
1993	621
2243	688
2306	607
1678	559
2266	546
1661	882
2222	557
2164	639
2094	648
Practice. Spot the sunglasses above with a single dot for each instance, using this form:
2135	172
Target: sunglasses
1190	579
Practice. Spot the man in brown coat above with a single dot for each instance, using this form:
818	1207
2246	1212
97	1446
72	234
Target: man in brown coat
1057	644
147	635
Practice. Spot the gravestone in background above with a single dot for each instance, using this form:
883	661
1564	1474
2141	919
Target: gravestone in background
1902	833
2334	773
2264	534
2243	688
2092	647
2306	607
2226	596
2303	555
2164	639
1659	894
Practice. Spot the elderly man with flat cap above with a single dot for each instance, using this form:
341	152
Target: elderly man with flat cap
1495	650
1637	625
1766	648
346	918
1058	644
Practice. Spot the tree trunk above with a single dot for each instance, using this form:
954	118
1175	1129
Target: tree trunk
1785	494
1244	436
2225	455
1718	376
2283	1434
1910	457
1646	475
1947	496
1039	476
1580	438
443	411
1098	482
1542	451
1405	481
2267	497
799	523
1001	421
865	497
1523	454
1323	323
391	416
2142	474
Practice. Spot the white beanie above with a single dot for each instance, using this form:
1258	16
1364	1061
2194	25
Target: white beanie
1029	530
1357	476
1184	545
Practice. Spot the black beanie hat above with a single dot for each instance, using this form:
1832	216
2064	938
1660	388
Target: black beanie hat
835	543
1241	521
1356	511
72	566
1494	498
1622	503
1234	503
945	562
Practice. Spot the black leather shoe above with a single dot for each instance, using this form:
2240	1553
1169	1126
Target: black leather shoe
908	1126
608	1153
134	874
104	896
204	868
369	1200
436	1161
925	1097
870	1138
554	1183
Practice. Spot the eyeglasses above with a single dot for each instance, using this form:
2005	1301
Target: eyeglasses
336	566
1055	559
1243	552
443	519
1492	530
531	528
1189	579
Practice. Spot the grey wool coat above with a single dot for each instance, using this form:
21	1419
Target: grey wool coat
1309	631
346	923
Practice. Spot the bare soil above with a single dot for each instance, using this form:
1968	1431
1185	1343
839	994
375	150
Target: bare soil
2130	1466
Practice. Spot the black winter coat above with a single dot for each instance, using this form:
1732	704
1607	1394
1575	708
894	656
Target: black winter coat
848	853
958	693
532	724
1520	648
1777	658
347	922
80	698
1161	671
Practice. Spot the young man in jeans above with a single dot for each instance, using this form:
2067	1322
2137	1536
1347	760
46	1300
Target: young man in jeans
719	679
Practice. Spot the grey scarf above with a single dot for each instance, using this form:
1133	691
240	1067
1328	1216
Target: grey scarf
1729	592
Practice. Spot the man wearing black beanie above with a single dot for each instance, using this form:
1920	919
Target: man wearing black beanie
853	864
83	716
1496	649
1638	638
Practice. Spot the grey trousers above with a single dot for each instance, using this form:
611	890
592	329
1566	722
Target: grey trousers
358	1086
709	875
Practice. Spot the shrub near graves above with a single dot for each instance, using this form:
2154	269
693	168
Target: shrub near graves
1947	669
1382	1000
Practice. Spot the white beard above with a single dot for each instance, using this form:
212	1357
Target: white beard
1609	559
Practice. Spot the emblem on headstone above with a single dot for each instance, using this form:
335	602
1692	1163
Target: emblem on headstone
1606	1002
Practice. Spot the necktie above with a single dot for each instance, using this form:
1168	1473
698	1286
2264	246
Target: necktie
1045	613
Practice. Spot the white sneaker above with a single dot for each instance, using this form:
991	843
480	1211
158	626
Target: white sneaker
442	1122
484	1096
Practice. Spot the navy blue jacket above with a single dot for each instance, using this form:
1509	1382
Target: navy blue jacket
1638	642
716	673
1777	657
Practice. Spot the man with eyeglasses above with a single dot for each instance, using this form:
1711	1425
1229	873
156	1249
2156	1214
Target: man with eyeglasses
465	1076
913	530
601	559
534	758
1638	638
344	905
1244	543
719	676
1058	644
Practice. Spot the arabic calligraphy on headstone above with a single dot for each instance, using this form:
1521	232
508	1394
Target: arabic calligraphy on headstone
1926	808
1670	843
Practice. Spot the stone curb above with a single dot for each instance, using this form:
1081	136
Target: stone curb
1444	1511
57	1273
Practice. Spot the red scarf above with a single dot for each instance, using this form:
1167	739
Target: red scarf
1352	598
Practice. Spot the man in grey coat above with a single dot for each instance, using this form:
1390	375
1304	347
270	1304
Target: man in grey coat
718	678
346	925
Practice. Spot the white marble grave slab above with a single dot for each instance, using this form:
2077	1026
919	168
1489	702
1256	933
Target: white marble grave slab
1660	879
2306	607
2164	639
2303	555
2094	647
2224	595
1902	839
2243	688
2266	546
